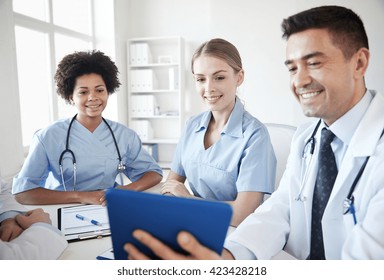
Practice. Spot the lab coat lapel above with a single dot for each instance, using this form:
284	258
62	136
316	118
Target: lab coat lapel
362	145
308	189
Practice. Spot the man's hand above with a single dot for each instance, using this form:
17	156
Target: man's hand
186	241
10	229
31	217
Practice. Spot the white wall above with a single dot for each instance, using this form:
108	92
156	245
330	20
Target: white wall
254	27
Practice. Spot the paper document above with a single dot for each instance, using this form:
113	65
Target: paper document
83	222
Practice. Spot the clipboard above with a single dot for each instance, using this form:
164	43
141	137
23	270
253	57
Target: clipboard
75	229
164	217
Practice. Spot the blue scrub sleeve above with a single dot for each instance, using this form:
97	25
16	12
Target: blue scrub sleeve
257	170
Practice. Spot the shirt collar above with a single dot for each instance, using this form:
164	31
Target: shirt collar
345	126
232	127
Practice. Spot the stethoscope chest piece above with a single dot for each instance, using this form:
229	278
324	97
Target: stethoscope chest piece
348	203
121	167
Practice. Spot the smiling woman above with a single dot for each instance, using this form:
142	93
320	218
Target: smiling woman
83	155
225	153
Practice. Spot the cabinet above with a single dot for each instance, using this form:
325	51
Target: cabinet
155	93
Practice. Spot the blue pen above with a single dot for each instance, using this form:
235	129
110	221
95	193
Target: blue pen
80	217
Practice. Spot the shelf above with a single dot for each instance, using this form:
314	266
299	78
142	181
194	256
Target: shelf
156	84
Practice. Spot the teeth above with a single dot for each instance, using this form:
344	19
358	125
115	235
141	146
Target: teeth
212	98
93	106
310	94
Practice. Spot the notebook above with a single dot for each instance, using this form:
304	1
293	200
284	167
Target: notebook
164	217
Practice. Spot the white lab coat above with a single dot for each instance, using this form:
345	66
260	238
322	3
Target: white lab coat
39	241
284	222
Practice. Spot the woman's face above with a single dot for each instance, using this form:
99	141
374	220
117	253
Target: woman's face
216	82
90	95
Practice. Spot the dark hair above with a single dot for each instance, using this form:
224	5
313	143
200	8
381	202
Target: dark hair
221	49
80	63
345	27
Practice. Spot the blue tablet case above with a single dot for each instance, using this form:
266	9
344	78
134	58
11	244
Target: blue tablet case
164	217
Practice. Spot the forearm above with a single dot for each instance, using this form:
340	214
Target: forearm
148	180
245	204
41	196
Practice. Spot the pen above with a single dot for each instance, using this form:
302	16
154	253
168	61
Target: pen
80	217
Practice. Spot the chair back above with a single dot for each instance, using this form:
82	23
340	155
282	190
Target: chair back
281	137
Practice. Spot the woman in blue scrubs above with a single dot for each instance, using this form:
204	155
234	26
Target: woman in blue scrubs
75	160
225	153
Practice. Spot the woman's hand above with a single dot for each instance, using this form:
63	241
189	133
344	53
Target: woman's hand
94	197
175	188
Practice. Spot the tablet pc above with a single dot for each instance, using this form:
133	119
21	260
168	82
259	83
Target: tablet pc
164	217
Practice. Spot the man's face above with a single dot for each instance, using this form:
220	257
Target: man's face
322	79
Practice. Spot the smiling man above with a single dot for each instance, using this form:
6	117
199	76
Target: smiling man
322	209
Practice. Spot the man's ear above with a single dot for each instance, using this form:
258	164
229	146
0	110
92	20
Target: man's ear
362	61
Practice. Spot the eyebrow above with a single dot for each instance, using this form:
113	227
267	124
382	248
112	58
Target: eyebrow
85	87
215	73
305	57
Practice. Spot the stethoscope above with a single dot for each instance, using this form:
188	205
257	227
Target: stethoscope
309	146
120	166
349	201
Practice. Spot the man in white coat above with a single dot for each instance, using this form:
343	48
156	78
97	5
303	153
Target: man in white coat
27	234
327	57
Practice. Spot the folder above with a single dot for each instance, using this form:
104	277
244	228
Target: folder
164	217
77	229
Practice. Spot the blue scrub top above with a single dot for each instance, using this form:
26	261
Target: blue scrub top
96	157
242	160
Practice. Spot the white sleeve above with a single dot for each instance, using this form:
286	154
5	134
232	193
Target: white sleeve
8	203
39	241
9	207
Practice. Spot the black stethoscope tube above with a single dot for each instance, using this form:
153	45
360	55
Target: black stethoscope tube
349	200
120	168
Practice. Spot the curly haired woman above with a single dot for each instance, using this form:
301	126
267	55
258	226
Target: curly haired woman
74	160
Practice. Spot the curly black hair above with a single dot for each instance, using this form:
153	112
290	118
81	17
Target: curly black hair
87	62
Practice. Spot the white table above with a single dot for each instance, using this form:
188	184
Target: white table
84	249
91	248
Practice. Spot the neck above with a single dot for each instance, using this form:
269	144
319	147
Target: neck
220	118
90	123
